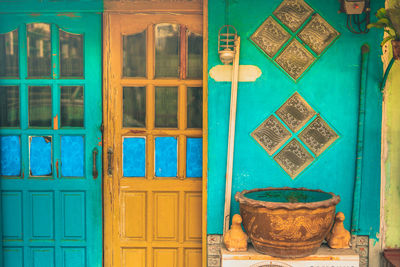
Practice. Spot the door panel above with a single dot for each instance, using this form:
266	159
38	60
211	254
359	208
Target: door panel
50	194
153	133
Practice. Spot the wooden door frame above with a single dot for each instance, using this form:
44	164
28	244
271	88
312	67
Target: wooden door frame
205	133
109	130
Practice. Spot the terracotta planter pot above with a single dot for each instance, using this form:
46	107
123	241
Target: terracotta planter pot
396	49
287	222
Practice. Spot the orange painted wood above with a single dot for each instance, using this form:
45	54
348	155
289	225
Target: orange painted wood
149	221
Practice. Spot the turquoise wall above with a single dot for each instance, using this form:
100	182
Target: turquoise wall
331	87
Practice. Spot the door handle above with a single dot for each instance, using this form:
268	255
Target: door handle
94	171
110	154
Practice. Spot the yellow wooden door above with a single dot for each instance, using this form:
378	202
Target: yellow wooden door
153	140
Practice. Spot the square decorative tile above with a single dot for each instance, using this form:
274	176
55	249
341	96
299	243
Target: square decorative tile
318	136
318	34
293	13
295	59
295	112
293	158
270	36
271	134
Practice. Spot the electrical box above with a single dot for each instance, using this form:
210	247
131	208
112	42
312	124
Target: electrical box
323	258
353	7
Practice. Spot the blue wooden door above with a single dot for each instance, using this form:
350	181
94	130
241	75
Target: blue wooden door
50	140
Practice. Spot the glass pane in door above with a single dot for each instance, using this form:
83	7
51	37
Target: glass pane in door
167	46
195	55
194	107
134	157
38	50
134	55
9	106
40	106
72	106
134	114
166	156
40	155
10	155
71	54
166	107
72	156
9	54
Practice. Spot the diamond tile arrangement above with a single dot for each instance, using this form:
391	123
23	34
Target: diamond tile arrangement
314	36
295	112
318	34
272	134
318	136
270	36
295	59
293	158
293	13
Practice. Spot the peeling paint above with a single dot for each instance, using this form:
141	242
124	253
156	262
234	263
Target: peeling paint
137	131
247	73
70	15
55	122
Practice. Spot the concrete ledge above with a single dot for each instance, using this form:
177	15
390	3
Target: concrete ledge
325	256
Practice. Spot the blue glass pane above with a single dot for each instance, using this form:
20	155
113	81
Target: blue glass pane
40	156
72	156
10	156
134	157
194	157
166	157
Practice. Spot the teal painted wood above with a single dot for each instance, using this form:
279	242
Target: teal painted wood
48	6
55	220
330	86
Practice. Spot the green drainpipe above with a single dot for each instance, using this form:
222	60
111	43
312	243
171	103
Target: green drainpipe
360	141
386	74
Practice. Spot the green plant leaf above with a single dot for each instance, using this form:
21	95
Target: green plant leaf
387	38
376	25
381	13
389	32
384	21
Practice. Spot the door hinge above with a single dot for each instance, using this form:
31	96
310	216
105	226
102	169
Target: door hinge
102	128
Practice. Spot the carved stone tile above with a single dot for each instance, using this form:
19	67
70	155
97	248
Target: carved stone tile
271	134
270	36
293	158
295	112
318	34
295	59
318	136
293	13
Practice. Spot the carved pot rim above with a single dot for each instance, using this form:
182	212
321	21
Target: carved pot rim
334	200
